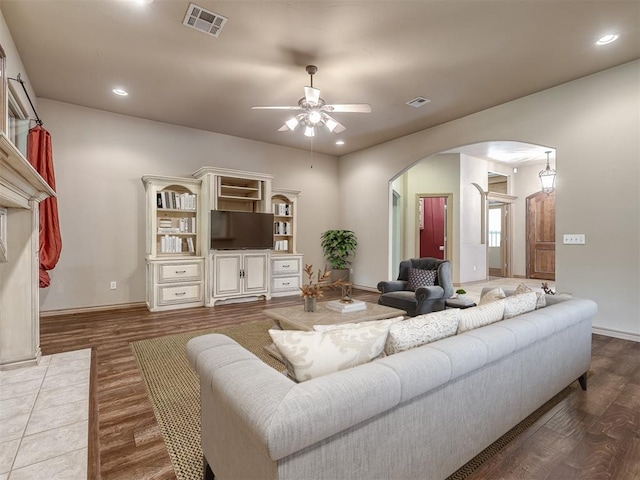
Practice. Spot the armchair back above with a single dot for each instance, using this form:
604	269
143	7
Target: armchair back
443	277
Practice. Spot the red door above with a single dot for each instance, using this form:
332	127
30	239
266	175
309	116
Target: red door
433	227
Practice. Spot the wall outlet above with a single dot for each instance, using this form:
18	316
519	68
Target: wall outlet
114	285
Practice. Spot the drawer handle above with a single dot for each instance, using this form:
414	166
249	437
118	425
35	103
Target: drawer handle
286	283
179	294
181	271
286	266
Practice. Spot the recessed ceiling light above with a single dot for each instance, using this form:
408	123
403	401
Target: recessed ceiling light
120	91
340	142
607	39
142	2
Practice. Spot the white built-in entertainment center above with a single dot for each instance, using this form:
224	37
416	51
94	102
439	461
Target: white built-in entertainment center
220	236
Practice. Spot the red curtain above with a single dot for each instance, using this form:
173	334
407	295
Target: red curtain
40	155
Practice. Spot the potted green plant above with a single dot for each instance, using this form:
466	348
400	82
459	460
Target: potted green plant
460	293
338	246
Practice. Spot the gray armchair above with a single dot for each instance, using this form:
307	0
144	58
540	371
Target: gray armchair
425	299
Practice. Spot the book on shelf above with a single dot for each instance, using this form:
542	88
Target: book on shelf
354	306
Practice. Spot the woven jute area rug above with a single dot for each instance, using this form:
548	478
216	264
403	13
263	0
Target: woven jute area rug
174	392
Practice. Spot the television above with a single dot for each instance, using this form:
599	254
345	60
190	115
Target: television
231	230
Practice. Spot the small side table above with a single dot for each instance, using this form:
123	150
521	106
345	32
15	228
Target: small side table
459	303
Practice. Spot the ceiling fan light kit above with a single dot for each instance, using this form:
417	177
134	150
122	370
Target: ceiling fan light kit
314	110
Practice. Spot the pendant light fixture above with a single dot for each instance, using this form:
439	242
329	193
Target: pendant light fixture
547	177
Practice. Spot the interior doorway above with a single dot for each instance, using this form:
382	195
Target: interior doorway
432	226
541	236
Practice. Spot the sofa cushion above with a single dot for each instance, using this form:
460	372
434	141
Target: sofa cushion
420	278
421	330
312	354
541	299
515	305
492	295
481	315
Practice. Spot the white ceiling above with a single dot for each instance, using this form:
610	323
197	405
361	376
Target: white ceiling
463	55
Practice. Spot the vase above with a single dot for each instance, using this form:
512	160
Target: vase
310	304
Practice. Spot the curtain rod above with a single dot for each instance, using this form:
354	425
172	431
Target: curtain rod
21	82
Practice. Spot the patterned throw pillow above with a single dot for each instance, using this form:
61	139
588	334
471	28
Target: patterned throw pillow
492	295
541	299
518	304
480	316
420	278
309	355
421	330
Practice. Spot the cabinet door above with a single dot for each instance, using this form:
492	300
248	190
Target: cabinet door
226	274
256	273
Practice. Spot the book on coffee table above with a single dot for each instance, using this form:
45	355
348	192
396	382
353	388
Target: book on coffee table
353	306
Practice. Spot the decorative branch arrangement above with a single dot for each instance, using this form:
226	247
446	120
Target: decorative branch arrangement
546	289
322	280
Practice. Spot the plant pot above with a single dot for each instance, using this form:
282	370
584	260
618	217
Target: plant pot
340	274
310	304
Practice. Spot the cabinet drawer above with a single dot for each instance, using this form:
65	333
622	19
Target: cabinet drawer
282	266
173	294
179	272
280	284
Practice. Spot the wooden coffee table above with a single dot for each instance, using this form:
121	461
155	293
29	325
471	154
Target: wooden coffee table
295	318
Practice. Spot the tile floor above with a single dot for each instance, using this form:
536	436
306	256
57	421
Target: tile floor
44	413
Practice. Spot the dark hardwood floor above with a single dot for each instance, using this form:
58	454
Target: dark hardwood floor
588	435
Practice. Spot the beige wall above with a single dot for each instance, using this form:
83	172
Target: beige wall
99	158
593	124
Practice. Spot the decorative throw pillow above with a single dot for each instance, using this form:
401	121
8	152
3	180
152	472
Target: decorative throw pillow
421	330
518	304
309	355
420	278
492	295
541	299
480	316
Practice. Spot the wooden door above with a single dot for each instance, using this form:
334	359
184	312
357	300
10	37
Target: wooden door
433	227
541	236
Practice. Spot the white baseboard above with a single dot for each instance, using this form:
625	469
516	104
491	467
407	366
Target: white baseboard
368	289
99	308
616	334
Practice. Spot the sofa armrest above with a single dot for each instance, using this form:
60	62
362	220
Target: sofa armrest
392	286
429	293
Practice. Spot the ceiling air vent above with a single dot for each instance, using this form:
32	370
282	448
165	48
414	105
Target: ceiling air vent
204	20
418	102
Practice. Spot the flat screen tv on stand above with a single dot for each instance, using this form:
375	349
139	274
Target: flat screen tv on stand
231	230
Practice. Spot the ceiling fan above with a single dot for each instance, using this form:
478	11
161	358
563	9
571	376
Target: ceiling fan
315	111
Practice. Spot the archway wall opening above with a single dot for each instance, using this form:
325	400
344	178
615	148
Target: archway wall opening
593	156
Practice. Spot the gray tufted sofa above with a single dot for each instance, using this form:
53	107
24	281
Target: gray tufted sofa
419	414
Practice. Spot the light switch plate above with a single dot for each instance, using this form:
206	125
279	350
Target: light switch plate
574	239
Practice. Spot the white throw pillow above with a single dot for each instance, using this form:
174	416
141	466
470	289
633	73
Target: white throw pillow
541	299
421	330
309	355
492	295
481	315
518	304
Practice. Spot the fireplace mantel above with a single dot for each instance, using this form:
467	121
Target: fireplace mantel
21	191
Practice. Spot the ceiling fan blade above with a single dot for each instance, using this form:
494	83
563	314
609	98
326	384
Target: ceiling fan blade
348	107
277	107
312	95
332	124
